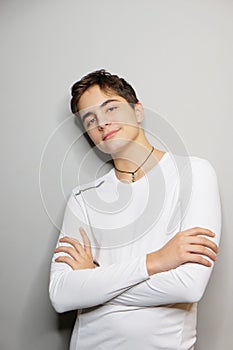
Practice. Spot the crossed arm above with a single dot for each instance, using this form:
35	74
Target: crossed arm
176	273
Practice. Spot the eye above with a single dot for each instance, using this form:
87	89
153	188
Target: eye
111	108
90	121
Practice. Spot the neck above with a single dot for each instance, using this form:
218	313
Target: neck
137	155
130	159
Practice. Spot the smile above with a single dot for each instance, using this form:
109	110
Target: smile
110	134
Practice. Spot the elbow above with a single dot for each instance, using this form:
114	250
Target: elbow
57	302
191	289
58	297
193	295
63	298
59	308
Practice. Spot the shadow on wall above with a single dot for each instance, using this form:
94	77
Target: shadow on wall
40	327
65	323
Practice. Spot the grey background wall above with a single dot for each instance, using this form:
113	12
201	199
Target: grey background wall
178	55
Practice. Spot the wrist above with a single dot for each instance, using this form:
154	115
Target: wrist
153	263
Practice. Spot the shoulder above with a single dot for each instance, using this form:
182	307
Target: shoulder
96	184
76	200
196	165
191	171
202	168
197	172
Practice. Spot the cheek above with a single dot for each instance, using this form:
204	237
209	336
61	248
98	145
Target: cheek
129	119
94	136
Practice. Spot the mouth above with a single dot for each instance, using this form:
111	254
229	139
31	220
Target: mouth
110	134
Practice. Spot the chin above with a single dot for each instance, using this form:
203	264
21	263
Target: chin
113	146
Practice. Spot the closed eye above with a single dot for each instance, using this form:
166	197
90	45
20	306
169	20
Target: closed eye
111	108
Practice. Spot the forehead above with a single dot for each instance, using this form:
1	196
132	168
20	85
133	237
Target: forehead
94	96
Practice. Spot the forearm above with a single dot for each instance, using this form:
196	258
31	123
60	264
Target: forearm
77	289
185	284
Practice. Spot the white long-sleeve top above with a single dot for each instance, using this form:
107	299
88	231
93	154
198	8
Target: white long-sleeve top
119	305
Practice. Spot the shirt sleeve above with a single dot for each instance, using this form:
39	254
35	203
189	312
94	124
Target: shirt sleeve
187	283
77	289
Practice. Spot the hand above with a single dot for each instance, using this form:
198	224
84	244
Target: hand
80	257
185	247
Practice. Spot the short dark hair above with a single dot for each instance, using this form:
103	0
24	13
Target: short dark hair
107	82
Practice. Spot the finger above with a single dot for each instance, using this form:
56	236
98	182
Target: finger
74	242
201	240
68	250
86	241
67	239
200	249
67	260
199	231
198	259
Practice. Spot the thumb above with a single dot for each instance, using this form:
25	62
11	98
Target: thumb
86	241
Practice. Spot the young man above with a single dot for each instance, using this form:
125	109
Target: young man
138	244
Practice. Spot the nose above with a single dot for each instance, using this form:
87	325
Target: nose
103	121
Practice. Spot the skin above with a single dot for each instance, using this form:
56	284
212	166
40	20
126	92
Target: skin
128	146
115	128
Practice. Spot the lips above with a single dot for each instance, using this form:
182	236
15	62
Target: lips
110	134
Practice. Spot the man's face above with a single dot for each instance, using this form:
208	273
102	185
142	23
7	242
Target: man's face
109	120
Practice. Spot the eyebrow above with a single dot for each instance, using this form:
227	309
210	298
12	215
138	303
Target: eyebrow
101	106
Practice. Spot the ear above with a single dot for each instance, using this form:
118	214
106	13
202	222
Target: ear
139	112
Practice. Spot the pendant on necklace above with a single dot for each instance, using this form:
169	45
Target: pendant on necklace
133	177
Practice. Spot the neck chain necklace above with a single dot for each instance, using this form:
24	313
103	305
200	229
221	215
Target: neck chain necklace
134	172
